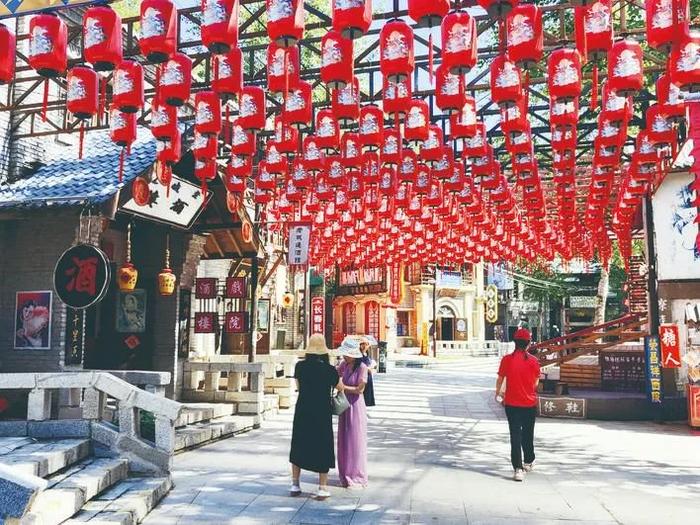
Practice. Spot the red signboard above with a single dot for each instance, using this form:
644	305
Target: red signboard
395	284
205	288
235	288
670	346
318	317
694	406
204	322
235	323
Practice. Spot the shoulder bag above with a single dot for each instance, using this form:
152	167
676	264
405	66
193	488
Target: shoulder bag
339	403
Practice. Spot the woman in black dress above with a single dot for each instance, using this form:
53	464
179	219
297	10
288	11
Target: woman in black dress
366	359
312	433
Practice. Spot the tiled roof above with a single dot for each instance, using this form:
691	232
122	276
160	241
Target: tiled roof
67	180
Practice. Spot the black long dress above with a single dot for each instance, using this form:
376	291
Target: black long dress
312	433
369	387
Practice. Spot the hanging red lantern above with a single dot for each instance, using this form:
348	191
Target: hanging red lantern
370	167
428	13
238	170
443	168
122	126
417	121
684	65
168	151
431	147
514	119
159	29
276	162
205	171
506	86
8	50
476	146
664	27
459	47
498	8
327	130
525	35
387	180
265	179
102	38
335	168
350	149
286	137
313	156
449	90
611	134
564	74
346	102
670	96
396	50
48	37
207	107
220	25
563	138
204	147
277	56
423	179
176	80
625	68
371	126
463	123
391	146
228	81
285	21
564	114
396	96
242	141
660	126
615	107
82	92
352	18
163	120
594	25
336	60
297	109
127	90
252	111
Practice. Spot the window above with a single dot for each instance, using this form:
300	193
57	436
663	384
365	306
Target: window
349	319
402	326
372	319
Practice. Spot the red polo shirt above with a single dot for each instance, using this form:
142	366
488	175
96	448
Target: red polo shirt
521	370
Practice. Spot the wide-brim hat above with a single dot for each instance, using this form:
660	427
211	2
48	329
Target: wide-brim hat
317	345
350	348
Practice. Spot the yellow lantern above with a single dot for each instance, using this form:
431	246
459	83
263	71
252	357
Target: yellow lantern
127	275
288	300
166	277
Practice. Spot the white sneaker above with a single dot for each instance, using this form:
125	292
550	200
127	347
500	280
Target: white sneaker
529	467
519	475
322	493
294	490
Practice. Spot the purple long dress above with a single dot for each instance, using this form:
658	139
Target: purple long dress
352	430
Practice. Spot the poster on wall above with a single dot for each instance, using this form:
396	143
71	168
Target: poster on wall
263	324
131	312
33	320
676	229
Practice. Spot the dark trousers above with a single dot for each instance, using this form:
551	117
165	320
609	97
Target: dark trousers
521	422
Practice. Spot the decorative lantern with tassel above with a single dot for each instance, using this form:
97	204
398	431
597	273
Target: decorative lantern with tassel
168	152
228	81
346	102
207	107
463	123
664	27
625	68
204	147
242	141
159	29
166	277
127	91
336	60
277	57
102	37
327	130
252	108
127	275
48	37
459	47
449	90
371	126
205	171
525	35
163	121
685	63
82	97
396	50
352	19
122	131
396	97
615	107
594	24
417	121
220	25
564	74
285	21
175	80
506	87
297	109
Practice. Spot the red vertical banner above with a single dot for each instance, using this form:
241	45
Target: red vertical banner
318	315
395	283
670	346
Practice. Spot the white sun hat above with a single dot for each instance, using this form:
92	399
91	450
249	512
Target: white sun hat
350	348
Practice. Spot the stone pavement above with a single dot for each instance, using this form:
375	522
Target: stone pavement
439	455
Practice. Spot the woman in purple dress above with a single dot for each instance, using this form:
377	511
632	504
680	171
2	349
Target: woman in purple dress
352	424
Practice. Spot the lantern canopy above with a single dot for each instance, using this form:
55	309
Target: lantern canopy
102	38
336	60
176	80
396	50
352	18
127	89
525	35
219	25
48	37
285	21
159	29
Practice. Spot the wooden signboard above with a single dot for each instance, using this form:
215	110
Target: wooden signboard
567	407
622	371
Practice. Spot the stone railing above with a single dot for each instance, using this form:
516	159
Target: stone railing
473	348
243	384
93	392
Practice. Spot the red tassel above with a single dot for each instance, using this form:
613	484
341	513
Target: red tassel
170	180
286	75
128	148
103	97
156	98
45	103
81	139
121	164
227	133
397	122
204	189
594	87
430	56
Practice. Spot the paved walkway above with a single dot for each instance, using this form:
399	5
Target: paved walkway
439	455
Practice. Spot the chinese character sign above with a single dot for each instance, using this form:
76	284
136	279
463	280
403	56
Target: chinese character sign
298	244
75	337
396	282
318	315
562	407
236	323
653	361
204	323
670	346
81	276
235	288
205	288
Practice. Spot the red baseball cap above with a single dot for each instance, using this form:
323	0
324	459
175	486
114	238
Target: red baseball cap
522	334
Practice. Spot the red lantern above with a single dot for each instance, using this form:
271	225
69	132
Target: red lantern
463	123
168	150
242	141
352	18
335	167
615	107
670	96
82	92
594	27
525	36
685	63
286	137
449	90
327	130
127	91
506	86
514	119
176	80
476	146
443	168
370	167
396	96
428	13
664	27
102	38
498	8
313	157
277	81
396	50
252	113
459	47
564	74
660	126
265	179
122	127
297	108
387	180
205	171
8	49
336	60
159	28
207	107
238	170
611	134
371	126
350	149
417	121
564	114
48	37
163	121
346	102
276	162
204	147
285	21
220	25
625	68
431	148
563	138
228	81
391	147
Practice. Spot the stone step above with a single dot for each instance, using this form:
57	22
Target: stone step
204	432
196	412
272	402
69	490
42	458
127	503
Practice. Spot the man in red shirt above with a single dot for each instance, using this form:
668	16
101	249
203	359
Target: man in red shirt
521	372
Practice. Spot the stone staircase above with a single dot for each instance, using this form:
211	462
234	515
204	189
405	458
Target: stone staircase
79	486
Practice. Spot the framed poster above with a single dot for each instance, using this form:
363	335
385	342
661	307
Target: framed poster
263	324
131	312
33	320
